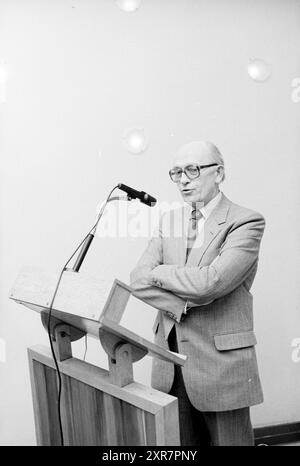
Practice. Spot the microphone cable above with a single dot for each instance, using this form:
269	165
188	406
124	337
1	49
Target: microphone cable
50	314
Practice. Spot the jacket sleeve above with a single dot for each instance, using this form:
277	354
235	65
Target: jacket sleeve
202	285
146	289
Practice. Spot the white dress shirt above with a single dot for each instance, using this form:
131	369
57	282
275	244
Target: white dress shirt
205	211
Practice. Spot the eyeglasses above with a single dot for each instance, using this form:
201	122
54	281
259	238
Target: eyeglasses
191	171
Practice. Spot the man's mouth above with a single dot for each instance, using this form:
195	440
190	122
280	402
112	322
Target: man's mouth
186	191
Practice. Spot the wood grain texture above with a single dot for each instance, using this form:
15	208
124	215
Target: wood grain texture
94	412
78	293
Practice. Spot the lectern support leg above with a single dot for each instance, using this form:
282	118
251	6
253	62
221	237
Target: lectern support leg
120	365
62	342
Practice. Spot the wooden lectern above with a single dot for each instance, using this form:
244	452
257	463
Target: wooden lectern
98	407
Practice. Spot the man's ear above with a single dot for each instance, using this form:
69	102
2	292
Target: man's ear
220	174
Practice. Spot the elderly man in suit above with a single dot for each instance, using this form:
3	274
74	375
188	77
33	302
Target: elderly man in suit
197	271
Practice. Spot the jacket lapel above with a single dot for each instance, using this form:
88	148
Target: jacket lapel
212	227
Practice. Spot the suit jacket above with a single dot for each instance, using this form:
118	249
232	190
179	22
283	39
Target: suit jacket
216	334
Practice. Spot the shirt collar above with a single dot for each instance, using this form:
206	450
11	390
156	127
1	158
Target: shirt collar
208	208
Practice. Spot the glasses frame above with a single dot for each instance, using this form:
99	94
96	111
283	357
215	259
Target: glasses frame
183	170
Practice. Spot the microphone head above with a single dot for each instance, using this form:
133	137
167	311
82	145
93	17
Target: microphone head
148	200
141	195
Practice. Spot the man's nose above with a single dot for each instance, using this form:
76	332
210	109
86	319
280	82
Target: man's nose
184	178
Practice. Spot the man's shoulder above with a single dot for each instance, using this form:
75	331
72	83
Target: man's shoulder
238	212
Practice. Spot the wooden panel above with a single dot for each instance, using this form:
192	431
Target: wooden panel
134	425
150	428
46	395
90	417
95	412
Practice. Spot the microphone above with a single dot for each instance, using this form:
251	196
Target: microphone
141	195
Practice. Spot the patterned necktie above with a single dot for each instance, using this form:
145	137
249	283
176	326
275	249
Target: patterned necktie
192	230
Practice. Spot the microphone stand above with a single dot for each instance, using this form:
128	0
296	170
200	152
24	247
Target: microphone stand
85	247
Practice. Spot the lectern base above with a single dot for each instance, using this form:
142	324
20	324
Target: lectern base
94	410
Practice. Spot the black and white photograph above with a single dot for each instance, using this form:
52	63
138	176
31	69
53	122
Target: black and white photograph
150	227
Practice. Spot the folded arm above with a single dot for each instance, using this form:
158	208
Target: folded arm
144	288
237	256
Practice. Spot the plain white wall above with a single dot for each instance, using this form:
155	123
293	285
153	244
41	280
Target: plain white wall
80	74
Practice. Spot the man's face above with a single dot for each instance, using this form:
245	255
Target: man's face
206	186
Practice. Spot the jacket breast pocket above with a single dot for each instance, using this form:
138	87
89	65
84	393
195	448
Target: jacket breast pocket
230	341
